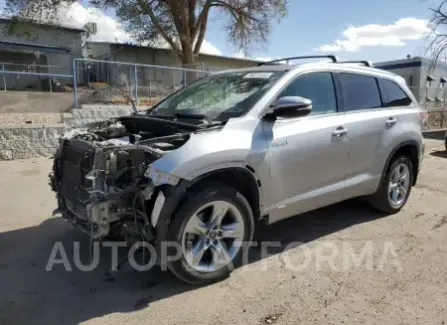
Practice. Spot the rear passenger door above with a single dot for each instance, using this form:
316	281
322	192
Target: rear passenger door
366	124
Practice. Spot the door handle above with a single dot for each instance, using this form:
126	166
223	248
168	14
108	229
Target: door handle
339	132
391	121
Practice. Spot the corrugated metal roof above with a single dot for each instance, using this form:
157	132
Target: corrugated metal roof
80	30
169	50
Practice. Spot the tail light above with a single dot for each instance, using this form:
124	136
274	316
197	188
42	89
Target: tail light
423	115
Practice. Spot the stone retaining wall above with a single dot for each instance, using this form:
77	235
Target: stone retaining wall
39	118
87	115
29	140
436	120
20	140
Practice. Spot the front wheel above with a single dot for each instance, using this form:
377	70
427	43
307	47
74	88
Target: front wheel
395	188
210	229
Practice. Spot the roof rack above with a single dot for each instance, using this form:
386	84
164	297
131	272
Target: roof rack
332	57
366	63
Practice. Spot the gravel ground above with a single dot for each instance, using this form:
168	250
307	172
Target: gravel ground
404	282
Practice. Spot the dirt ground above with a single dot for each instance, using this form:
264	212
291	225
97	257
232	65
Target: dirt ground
406	282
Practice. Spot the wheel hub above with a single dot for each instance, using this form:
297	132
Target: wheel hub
212	234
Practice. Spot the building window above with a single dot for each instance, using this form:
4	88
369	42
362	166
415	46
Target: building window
429	80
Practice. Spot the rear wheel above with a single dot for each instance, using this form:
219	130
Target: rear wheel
210	228
395	188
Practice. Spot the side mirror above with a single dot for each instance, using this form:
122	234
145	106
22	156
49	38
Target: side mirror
292	106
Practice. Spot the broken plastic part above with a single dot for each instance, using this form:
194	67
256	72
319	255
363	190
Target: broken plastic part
159	177
158	205
148	191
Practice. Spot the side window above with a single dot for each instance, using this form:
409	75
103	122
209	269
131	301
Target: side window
360	92
392	94
318	87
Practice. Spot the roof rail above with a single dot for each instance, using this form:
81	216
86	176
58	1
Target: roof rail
332	57
366	63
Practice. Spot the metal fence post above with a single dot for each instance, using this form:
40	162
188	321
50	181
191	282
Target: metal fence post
136	84
75	84
50	80
88	76
184	78
4	76
150	87
109	80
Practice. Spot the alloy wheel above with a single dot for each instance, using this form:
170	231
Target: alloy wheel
213	236
398	185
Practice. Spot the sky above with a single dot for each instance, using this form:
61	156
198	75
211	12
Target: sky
375	30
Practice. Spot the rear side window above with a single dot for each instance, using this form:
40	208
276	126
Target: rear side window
392	94
318	87
360	92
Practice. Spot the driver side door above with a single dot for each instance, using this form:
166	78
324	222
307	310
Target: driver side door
307	155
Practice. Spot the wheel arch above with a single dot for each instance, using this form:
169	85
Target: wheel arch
410	149
242	178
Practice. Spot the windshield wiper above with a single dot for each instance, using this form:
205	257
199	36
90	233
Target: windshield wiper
193	116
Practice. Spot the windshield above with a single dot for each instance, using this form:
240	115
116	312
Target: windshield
221	96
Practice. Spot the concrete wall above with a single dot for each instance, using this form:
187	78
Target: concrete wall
93	113
20	141
433	90
43	35
29	141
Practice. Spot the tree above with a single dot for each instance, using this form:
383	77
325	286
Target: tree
438	43
181	23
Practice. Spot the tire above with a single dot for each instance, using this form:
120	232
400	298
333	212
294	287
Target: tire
382	200
202	202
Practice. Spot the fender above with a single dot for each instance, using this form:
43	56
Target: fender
239	166
392	154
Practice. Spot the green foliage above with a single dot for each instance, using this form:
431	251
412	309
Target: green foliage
20	28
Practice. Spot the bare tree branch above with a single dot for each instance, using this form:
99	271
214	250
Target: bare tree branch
146	7
438	24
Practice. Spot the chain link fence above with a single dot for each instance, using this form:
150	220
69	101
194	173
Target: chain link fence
35	77
111	82
434	100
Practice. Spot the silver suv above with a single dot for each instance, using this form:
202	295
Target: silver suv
201	167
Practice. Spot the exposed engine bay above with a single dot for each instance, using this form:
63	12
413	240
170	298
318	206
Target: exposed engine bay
103	177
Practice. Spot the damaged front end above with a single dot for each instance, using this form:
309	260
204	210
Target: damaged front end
104	180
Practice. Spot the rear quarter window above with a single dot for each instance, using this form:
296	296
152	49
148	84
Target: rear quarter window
392	94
